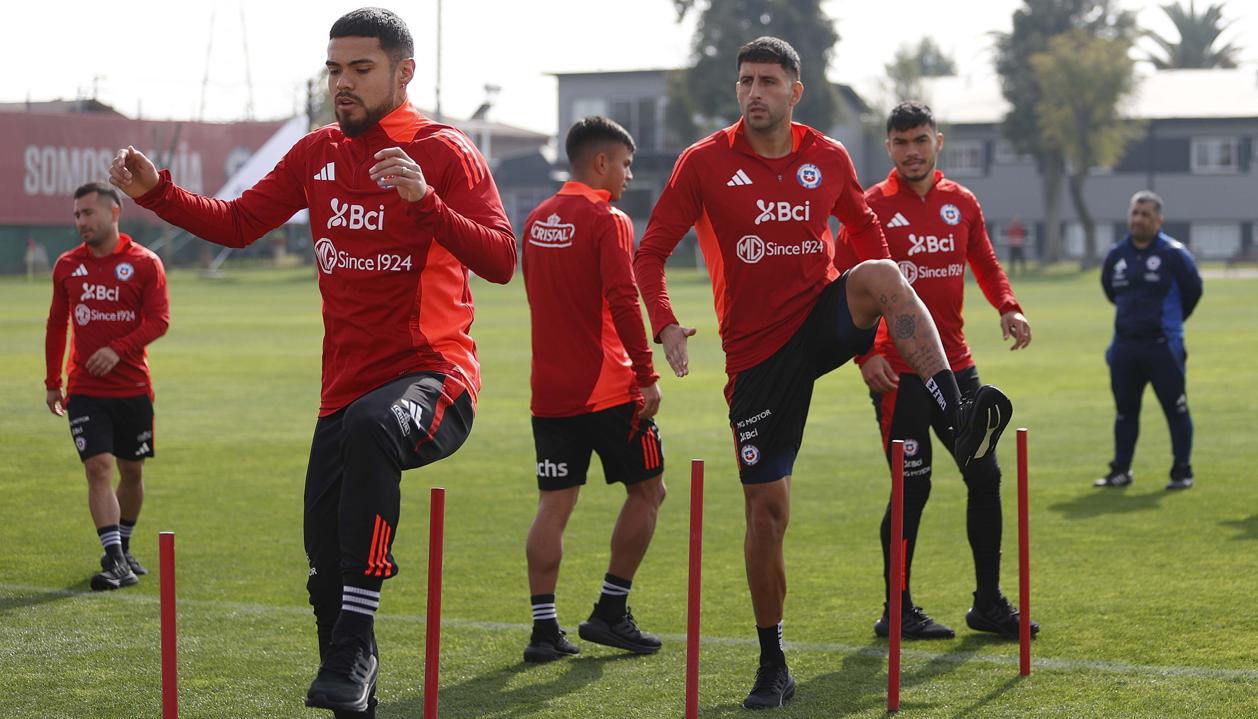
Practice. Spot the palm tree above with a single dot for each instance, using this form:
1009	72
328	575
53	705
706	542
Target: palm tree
1198	35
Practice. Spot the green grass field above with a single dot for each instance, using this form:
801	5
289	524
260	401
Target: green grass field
1145	597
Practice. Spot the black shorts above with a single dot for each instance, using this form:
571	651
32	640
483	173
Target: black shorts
121	426
768	403
628	447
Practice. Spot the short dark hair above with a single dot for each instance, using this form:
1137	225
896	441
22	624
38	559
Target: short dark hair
908	115
590	131
101	189
771	49
384	25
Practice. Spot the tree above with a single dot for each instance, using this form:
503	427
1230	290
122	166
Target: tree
1082	79
1198	35
1034	25
725	25
911	64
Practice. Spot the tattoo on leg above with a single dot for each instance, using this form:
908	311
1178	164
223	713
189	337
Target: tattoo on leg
905	326
882	299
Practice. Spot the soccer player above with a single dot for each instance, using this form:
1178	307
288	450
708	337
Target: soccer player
759	194
401	208
1154	285
594	387
116	292
934	227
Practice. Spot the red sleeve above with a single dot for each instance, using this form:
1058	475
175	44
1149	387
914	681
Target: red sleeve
233	223
615	247
844	256
155	313
864	233
464	212
678	208
987	270
55	333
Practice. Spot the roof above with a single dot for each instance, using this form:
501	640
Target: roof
60	107
1160	95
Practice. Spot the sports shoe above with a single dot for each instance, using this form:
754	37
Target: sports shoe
118	574
914	624
131	561
546	648
773	688
998	617
347	676
1114	479
624	634
979	423
1181	477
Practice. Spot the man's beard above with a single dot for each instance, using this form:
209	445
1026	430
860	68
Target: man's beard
373	116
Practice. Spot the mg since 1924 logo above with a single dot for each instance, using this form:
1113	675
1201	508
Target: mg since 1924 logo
331	259
750	249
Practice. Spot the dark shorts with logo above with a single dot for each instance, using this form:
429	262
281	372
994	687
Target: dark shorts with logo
121	426
768	403
628	447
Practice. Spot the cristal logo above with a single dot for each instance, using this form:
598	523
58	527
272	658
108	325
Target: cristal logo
750	249
930	243
771	211
551	232
325	253
355	217
82	315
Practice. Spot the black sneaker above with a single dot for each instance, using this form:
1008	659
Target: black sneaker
624	634
998	617
347	676
979	423
773	688
546	648
118	574
1115	478
914	624
1181	477
131	561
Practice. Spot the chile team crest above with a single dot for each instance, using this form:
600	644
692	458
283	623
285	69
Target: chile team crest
123	271
809	175
950	214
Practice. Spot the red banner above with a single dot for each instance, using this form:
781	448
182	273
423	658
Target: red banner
44	157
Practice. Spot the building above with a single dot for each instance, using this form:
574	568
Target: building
1196	149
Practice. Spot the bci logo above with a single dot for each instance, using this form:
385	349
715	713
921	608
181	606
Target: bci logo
355	217
930	243
783	211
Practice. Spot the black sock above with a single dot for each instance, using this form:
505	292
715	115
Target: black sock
110	540
545	618
614	598
771	645
125	529
943	389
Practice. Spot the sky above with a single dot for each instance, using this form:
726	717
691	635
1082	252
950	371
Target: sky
164	60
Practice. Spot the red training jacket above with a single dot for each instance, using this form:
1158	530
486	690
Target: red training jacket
932	239
118	301
393	274
590	350
763	226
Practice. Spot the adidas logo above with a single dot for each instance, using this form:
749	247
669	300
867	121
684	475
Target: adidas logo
81	272
327	173
898	221
740	178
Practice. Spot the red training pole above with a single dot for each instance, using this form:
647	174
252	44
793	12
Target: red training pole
692	605
170	668
432	639
896	569
1024	559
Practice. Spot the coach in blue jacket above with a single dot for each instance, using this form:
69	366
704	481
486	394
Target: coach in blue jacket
1154	285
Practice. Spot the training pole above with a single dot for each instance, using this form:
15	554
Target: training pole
1024	560
692	597
432	638
896	569
170	668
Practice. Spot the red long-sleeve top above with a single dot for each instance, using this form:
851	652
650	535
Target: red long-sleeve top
393	274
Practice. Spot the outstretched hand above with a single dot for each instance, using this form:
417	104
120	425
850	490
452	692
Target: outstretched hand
132	172
674	339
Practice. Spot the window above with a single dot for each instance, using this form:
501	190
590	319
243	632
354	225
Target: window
1215	241
1214	155
1074	239
1006	155
963	158
583	107
646	131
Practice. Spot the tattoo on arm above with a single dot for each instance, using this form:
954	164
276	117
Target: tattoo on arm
905	326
